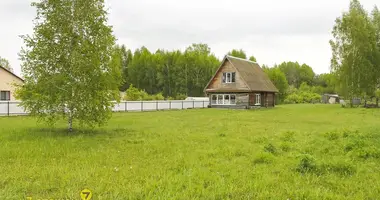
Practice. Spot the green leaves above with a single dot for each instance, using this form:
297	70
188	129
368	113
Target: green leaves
356	53
278	79
70	65
5	63
172	72
239	53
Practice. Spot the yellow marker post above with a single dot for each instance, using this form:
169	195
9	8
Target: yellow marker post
86	194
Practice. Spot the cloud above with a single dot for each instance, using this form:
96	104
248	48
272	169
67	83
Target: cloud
272	30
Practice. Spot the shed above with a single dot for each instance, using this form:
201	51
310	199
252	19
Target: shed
330	98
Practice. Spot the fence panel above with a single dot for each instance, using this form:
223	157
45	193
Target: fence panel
164	105
8	108
3	108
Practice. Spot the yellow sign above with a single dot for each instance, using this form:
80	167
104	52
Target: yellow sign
86	194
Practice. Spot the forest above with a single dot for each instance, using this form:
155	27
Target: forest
177	74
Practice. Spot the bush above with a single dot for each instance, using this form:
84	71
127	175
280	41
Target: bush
288	136
159	96
286	146
305	94
293	98
132	94
270	148
180	97
306	164
145	96
333	135
263	158
302	97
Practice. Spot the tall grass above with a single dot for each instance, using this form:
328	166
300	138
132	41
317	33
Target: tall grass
290	152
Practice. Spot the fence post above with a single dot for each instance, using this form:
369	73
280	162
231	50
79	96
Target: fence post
8	108
170	105
193	104
125	106
156	105
203	106
142	106
182	104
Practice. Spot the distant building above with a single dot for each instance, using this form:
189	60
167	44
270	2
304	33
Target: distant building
7	89
240	83
330	98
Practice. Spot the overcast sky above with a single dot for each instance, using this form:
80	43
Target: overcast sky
272	30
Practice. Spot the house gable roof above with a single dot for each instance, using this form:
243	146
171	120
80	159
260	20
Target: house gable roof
5	69
251	73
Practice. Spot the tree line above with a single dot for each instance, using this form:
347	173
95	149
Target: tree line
186	73
172	73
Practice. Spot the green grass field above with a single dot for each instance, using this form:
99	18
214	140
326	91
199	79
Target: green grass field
290	152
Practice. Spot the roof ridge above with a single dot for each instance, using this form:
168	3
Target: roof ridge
11	73
242	59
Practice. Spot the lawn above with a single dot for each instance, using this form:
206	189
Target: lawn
289	152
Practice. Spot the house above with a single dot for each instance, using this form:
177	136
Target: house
240	83
7	81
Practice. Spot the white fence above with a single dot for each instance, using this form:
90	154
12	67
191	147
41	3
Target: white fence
8	108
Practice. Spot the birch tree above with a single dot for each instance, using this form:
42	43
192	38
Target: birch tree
354	52
70	66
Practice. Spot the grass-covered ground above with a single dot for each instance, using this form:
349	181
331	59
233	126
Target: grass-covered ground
290	152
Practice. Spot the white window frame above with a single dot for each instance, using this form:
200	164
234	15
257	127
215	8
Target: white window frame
257	99
223	100
226	77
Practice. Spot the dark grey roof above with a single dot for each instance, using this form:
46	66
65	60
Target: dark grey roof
252	74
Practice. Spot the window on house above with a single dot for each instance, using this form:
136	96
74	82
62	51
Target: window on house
214	99
229	77
227	99
233	99
223	99
5	95
258	99
220	99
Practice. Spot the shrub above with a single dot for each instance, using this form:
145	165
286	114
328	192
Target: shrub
293	98
180	97
132	94
159	96
270	148
288	136
285	147
306	164
145	96
264	158
305	94
333	135
368	152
